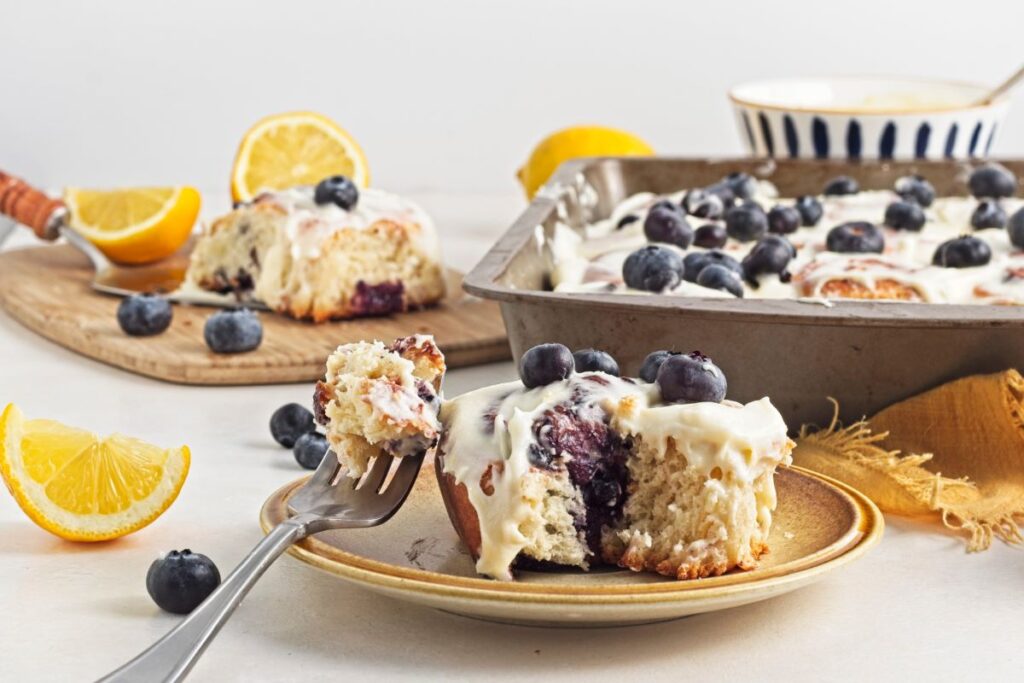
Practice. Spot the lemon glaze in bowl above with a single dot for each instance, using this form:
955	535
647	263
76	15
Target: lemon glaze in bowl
858	117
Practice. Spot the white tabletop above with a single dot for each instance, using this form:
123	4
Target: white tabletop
916	608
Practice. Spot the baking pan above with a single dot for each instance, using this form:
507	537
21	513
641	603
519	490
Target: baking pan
865	354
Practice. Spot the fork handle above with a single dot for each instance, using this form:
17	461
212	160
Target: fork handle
174	655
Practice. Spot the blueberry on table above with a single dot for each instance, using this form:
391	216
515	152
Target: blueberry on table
710	236
858	237
746	222
992	180
966	251
592	360
770	255
988	214
338	190
544	364
695	262
703	204
904	215
743	185
715	276
1015	226
668	225
652	269
310	449
783	220
914	188
289	422
691	378
233	330
842	185
810	210
143	315
652	363
626	220
179	581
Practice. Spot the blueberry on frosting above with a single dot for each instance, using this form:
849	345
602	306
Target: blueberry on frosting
904	215
336	190
691	378
992	180
715	276
841	185
857	237
696	261
966	251
770	255
710	236
652	363
1015	226
783	220
653	269
668	225
544	364
746	222
810	210
914	188
988	214
592	360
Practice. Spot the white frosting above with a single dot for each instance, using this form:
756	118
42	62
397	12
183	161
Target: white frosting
735	438
309	224
591	260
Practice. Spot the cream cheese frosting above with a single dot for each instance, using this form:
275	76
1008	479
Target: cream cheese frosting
590	260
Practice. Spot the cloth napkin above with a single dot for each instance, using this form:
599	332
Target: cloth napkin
955	452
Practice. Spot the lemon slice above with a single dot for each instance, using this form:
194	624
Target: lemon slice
297	148
134	225
82	487
573	143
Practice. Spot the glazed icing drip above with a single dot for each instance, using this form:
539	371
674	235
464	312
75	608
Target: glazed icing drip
489	434
591	260
308	224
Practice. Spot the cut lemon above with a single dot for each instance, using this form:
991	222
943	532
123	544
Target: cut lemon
82	487
134	225
573	143
297	148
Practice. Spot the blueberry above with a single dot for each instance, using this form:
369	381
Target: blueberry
233	330
652	269
626	220
783	220
179	581
143	315
988	214
544	364
914	188
1015	227
691	378
966	251
336	190
696	261
904	215
710	236
858	237
844	184
703	204
770	255
652	363
723	192
714	276
992	180
592	360
810	210
742	184
669	226
289	422
310	449
605	491
746	222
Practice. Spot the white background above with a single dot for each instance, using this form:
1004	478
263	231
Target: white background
444	96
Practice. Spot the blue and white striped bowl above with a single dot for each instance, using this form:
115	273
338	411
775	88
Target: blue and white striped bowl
865	118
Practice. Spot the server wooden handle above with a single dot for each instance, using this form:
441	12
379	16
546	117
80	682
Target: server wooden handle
30	206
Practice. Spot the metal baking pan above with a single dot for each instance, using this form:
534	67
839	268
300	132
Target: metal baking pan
865	354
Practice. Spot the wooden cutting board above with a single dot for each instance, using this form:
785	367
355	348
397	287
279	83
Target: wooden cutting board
47	290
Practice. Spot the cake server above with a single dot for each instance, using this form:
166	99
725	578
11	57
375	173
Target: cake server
50	219
329	500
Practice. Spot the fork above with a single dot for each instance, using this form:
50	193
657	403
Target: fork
329	500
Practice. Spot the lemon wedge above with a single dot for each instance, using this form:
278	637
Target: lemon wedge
573	143
82	487
134	225
296	148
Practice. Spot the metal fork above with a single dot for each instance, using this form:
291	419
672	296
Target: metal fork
329	500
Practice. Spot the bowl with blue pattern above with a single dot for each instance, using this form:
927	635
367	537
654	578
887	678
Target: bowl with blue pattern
854	118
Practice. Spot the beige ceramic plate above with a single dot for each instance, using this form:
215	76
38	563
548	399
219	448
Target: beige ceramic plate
820	525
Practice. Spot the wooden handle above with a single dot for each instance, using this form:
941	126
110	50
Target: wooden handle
30	207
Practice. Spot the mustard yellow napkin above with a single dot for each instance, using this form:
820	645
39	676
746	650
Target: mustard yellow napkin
956	451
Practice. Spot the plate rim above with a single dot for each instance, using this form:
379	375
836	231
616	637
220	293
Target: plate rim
864	534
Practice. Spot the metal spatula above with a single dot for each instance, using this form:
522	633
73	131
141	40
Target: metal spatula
49	219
